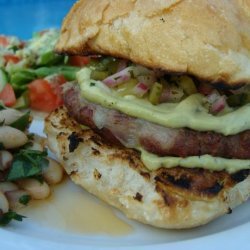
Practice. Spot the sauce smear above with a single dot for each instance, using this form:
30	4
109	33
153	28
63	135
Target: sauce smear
72	209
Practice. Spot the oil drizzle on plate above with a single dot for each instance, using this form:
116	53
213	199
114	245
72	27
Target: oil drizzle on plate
70	208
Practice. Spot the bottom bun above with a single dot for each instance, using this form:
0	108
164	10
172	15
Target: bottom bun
166	198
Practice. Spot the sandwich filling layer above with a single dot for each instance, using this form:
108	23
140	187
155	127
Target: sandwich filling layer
190	112
186	129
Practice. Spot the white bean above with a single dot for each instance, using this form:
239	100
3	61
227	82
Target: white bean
8	116
8	186
13	198
5	159
12	137
35	188
4	204
53	174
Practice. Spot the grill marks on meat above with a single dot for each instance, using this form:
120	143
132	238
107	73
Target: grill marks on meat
191	143
83	114
77	109
194	181
118	128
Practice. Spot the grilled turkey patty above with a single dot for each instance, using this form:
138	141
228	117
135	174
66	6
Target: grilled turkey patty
131	132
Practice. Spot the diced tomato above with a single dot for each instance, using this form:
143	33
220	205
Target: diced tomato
7	95
45	95
11	58
4	41
56	79
79	61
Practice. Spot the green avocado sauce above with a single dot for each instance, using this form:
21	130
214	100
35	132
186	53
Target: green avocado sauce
209	162
189	113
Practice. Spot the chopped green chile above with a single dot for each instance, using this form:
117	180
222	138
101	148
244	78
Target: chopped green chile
99	75
126	88
108	64
238	99
155	93
187	84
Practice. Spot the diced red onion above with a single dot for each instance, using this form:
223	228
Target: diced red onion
148	79
118	78
218	102
214	96
140	89
218	105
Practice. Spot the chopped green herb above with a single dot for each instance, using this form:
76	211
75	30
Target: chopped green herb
92	84
22	123
27	163
2	107
7	217
24	199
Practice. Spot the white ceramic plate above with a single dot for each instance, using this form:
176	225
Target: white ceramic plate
228	232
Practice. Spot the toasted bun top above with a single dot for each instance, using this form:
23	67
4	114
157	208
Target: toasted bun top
209	39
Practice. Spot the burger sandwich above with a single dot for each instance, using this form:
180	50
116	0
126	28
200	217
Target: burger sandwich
158	122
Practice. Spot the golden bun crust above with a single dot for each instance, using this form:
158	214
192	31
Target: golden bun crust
209	39
166	198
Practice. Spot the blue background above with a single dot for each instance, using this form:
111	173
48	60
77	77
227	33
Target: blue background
24	17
